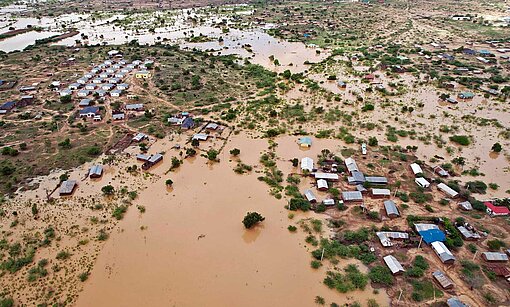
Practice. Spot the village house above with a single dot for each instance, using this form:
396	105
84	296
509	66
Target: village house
82	80
494	210
442	280
100	93
391	209
307	164
380	193
114	80
153	160
88	112
67	187
376	180
356	178
118	116
351	165
466	95
416	168
134	107
211	126
326	176
386	237
455	302
393	264
447	190
305	142
140	137
328	202
468	234
494	257
142	74
85	102
430	233
115	93
466	206
322	185
90	86
443	252
107	86
422	182
200	136
25	101
83	93
65	92
352	196
96	171
310	196
7	106
74	86
123	86
440	171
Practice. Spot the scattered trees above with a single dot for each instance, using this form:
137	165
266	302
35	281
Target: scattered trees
251	219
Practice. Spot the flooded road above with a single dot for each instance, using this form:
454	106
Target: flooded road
196	252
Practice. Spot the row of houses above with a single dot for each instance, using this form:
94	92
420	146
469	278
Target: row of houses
23	101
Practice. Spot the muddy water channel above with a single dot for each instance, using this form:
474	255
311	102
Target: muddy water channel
194	250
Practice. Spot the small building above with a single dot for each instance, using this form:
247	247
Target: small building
416	168
494	257
107	86
352	196
82	80
153	160
134	107
326	176
176	121
356	178
200	136
85	103
328	202
442	280
494	210
447	190
305	142
25	101
115	93
466	206
341	84
466	95
391	209
443	252
322	185
211	126
140	137
88	112
118	116
422	182
430	233
307	164
386	237
114	80
7	106
100	93
455	302
142	74
90	86
74	86
96	171
467	234
83	93
97	80
364	149
376	180
65	92
440	171
380	193
393	264
310	196
188	123
142	157
122	86
351	165
67	187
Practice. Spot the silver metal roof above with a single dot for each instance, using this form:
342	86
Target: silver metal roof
493	256
391	207
393	264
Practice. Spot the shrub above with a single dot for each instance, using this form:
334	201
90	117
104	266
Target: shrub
461	140
108	190
235	152
381	275
495	245
292	228
251	219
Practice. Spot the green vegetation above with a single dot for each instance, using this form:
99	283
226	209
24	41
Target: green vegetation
461	140
350	280
251	219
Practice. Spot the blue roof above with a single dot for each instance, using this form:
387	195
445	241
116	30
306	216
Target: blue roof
484	51
8	105
1	82
432	235
305	140
188	123
89	110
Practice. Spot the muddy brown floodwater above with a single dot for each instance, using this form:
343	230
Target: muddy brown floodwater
196	252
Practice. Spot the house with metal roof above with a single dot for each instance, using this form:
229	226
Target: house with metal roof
447	190
85	102
386	237
152	160
74	86
455	302
356	178
468	234
393	264
134	107
422	182
122	86
466	95
96	171
494	257
322	185
200	136
328	202
88	112
391	209
442	252
440	171
65	92
444	281
9	105
466	206
430	233
307	164
351	165
83	93
212	126
326	176
142	74
352	196
416	168
380	193
305	142
118	116
361	188
376	180
310	196
494	210
140	137
188	123
67	187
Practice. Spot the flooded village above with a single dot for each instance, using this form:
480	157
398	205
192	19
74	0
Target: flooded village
286	153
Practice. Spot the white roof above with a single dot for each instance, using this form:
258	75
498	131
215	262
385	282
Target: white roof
416	168
310	196
351	165
352	195
493	256
442	251
381	192
422	182
386	236
393	264
200	136
329	202
446	189
425	227
326	176
321	183
307	164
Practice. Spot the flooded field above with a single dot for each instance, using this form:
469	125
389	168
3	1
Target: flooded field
194	236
